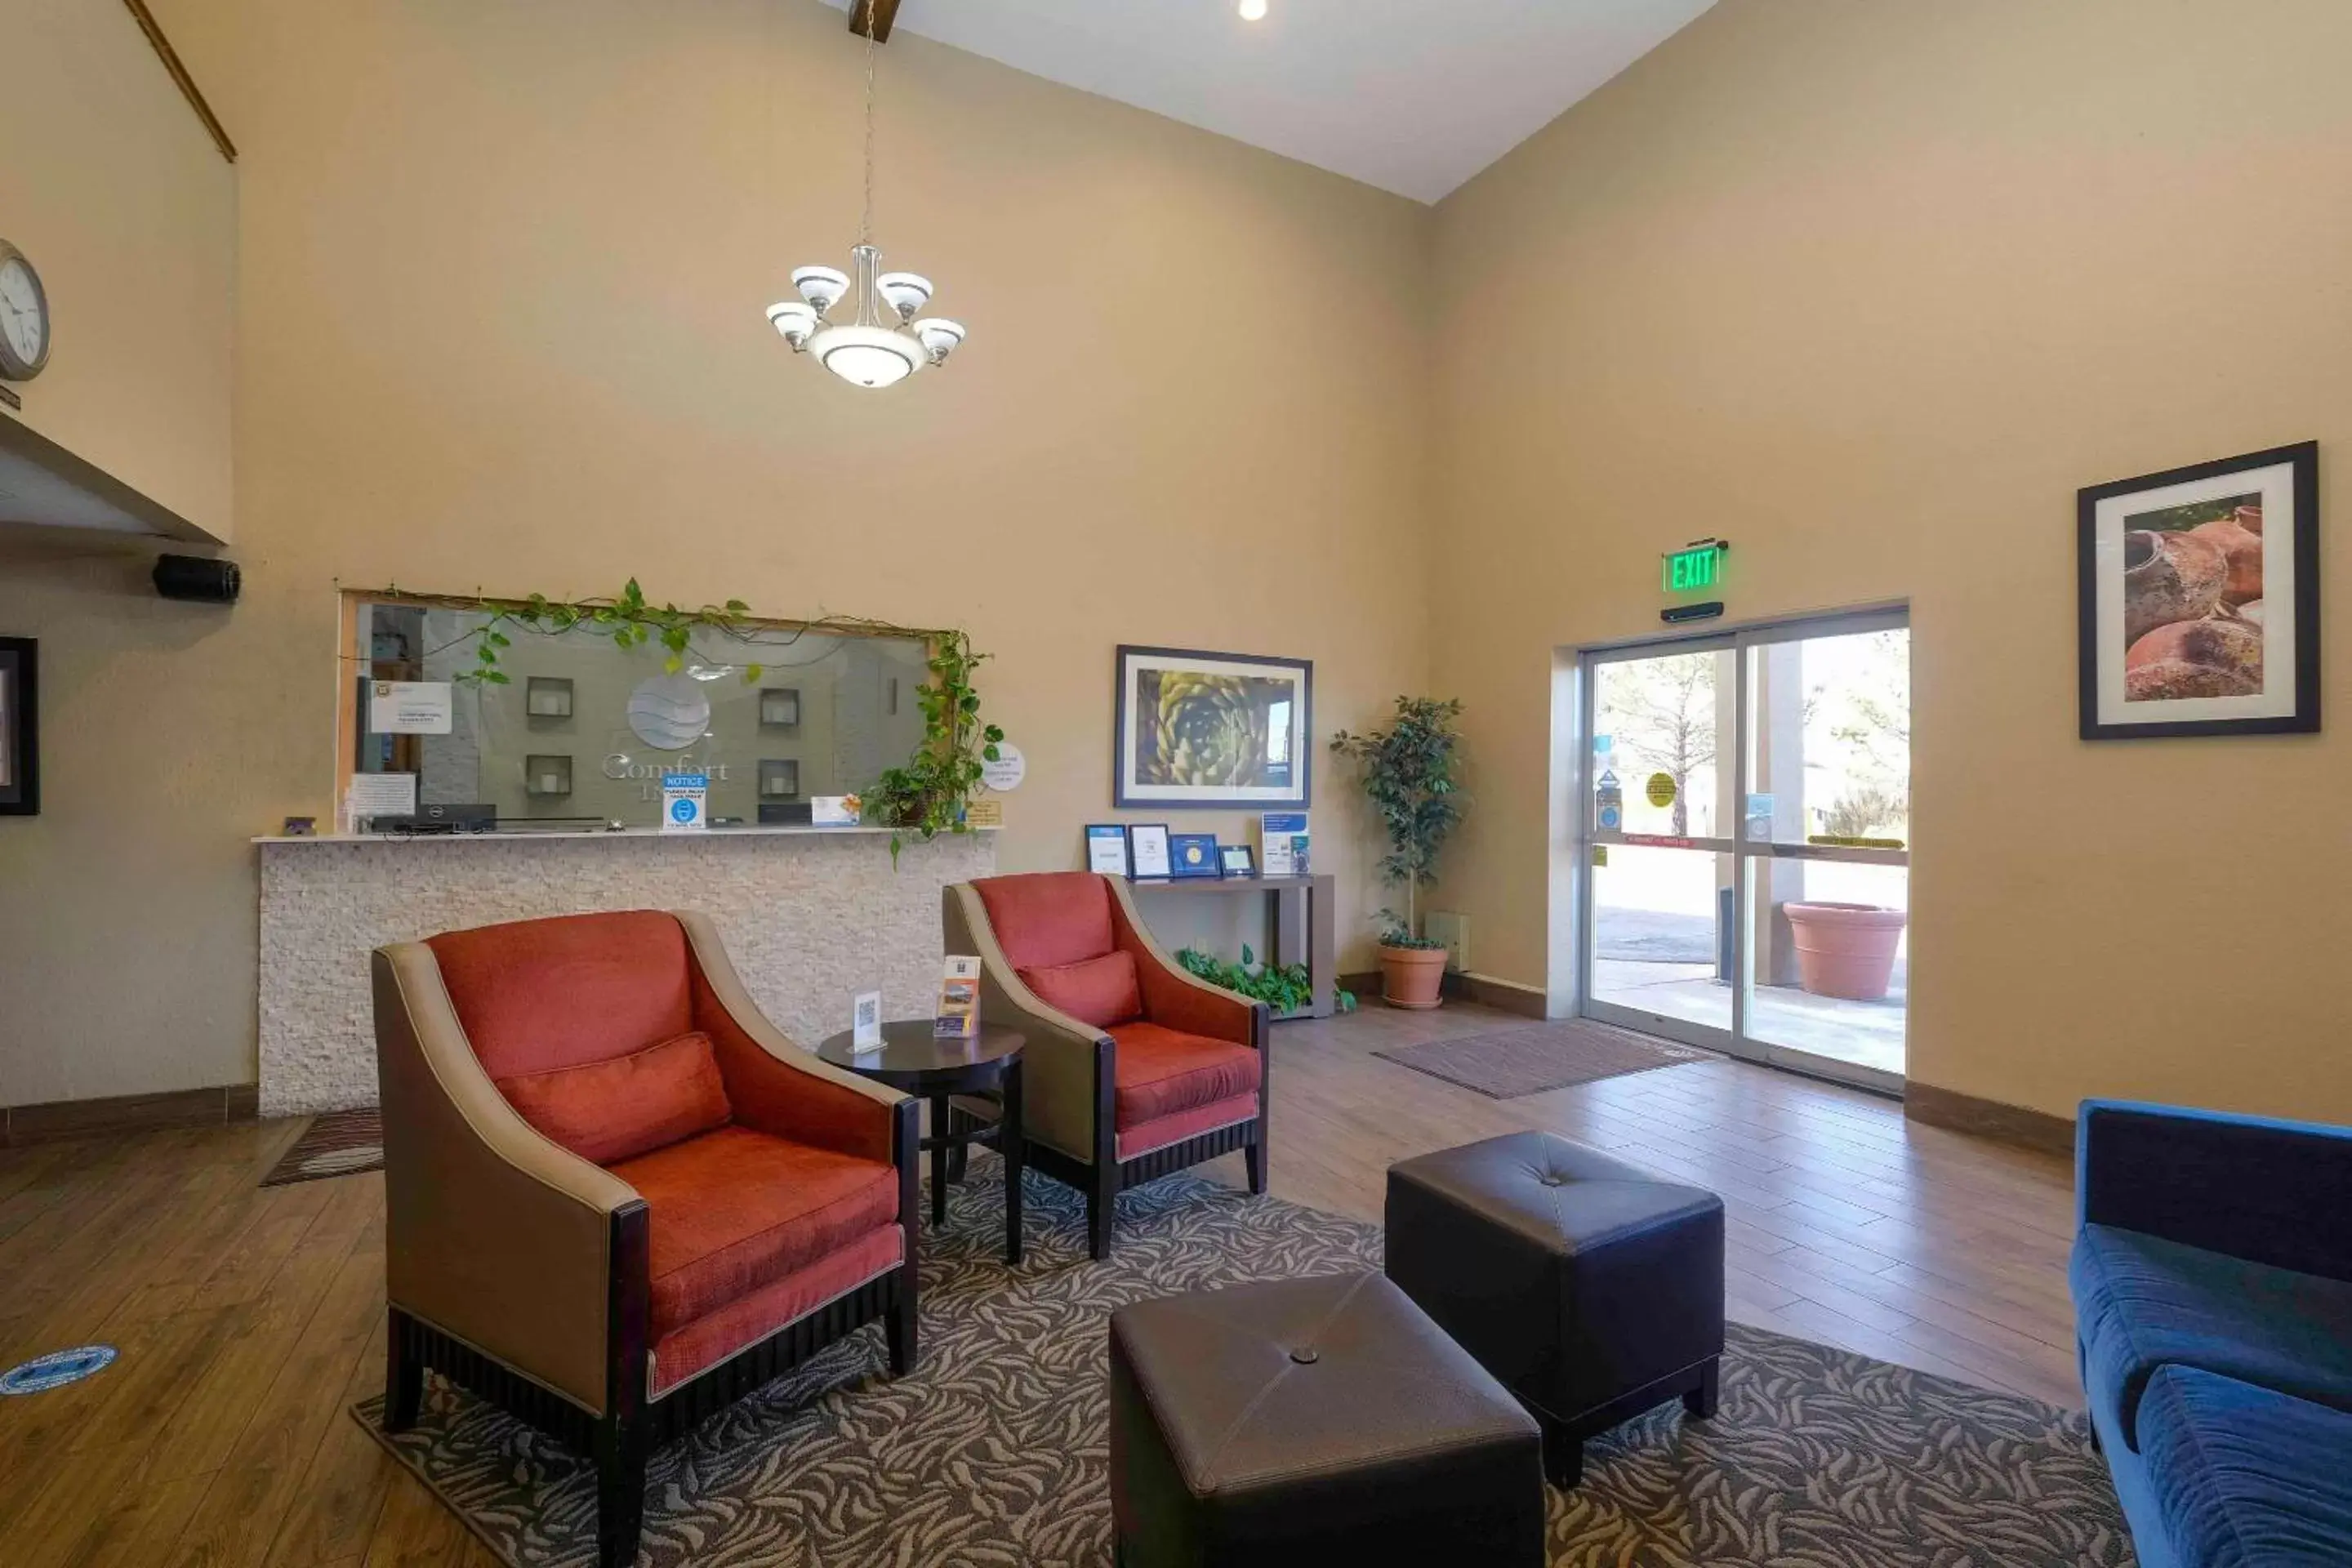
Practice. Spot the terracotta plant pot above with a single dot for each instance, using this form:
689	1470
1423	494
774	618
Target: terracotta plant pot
1845	950
1412	976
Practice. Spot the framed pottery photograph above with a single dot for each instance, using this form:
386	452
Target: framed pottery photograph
1239	860
1195	856
20	727
2198	609
1212	731
1149	857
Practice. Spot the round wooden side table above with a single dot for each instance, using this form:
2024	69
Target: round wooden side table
916	1061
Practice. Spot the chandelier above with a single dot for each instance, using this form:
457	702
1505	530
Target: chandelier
886	337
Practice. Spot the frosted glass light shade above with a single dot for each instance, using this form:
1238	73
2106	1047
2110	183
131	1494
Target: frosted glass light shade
866	356
796	322
907	292
938	336
822	287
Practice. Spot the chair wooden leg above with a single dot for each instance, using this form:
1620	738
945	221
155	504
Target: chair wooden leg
902	1327
1102	1201
404	1374
621	1453
1254	1162
1701	1401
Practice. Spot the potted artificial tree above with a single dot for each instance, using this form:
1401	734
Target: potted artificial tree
1407	774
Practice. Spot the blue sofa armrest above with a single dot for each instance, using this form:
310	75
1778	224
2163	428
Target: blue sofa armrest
2245	1186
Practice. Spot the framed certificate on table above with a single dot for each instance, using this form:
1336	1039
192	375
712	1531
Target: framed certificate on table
1149	856
1195	855
1107	849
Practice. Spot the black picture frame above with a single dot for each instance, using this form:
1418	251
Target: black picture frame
2117	607
1294	792
1107	833
1194	859
1237	861
1138	831
20	727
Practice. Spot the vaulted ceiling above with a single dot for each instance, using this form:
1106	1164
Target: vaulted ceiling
1414	96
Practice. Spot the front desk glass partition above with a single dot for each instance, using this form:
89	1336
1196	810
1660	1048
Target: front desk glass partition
583	731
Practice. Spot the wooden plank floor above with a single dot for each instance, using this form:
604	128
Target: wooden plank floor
248	1318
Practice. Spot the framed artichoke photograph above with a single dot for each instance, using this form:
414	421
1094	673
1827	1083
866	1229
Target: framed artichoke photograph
2200	599
1211	730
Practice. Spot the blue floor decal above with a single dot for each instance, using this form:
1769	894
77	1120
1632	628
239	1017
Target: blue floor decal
56	1370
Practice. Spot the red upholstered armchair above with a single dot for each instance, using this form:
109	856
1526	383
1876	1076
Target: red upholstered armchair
616	1197
1134	1067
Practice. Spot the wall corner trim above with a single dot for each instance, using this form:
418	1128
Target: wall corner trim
186	83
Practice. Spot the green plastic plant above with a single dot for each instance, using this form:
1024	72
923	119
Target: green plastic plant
1286	988
1408	776
927	795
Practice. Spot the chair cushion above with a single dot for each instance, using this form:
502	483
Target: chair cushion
2142	1303
735	1210
537	996
2245	1476
1049	917
1159	1073
1145	1136
613	1110
1098	991
710	1339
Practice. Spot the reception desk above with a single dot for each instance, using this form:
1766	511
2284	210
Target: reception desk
810	916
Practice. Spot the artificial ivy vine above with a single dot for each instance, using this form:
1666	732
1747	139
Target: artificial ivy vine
927	795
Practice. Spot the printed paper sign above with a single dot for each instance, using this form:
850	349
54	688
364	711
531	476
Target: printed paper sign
686	800
410	707
383	794
1282	843
957	1015
866	1022
1007	771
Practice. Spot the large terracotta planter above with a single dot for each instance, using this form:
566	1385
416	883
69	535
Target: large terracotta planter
1412	976
1845	950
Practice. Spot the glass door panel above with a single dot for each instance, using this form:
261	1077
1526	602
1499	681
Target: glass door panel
1830	954
1747	823
1663	954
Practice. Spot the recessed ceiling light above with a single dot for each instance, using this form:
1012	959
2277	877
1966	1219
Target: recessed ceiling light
1253	10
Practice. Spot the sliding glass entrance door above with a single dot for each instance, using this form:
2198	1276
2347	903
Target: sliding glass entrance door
1747	843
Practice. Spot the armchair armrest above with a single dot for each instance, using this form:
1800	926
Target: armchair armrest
493	1234
1059	1084
1176	998
776	1086
2269	1192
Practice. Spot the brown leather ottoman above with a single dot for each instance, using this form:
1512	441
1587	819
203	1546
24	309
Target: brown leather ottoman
1591	1289
1310	1421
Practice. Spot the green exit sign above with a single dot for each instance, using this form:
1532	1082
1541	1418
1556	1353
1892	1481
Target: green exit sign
1695	568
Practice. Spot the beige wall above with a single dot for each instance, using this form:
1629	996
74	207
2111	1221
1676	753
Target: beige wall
1871	289
502	272
112	188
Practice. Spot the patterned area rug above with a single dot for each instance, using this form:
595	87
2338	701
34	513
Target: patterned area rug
993	1454
1534	1057
343	1143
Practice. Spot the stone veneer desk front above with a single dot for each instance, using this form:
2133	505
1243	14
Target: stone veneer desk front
810	916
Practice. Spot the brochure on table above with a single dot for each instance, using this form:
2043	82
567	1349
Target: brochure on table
958	1014
1282	844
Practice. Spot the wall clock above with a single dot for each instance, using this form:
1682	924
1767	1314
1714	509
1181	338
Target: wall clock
24	317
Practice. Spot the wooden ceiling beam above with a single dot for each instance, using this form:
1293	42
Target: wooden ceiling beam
876	13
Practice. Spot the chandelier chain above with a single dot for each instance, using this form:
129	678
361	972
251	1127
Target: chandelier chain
865	224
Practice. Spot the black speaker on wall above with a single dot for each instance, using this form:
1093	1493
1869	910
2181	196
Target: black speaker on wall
192	577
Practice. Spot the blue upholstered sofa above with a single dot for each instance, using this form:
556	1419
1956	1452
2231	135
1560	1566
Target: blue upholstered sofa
2212	1280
